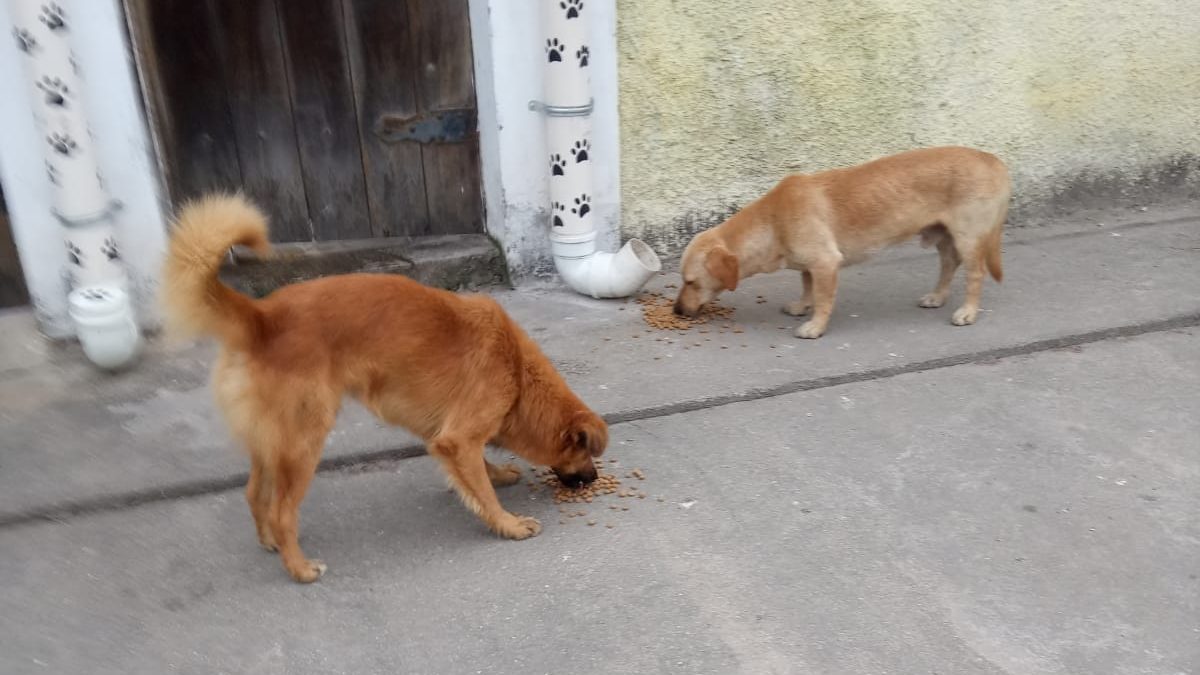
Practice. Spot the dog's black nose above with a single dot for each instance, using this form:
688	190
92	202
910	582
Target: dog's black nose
575	480
678	309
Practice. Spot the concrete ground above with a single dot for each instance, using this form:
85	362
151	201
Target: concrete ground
901	496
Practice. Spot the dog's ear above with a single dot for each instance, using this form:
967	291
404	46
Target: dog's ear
723	265
588	433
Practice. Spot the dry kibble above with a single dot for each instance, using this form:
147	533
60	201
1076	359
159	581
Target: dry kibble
610	526
604	484
591	523
658	312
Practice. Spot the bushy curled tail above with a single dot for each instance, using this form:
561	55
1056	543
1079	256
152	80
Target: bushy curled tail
195	301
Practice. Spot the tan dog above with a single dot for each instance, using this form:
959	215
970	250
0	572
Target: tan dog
452	369
955	198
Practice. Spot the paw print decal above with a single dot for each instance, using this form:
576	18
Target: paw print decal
62	143
557	165
572	8
555	210
52	173
109	249
582	205
74	254
55	89
52	15
582	54
25	40
580	150
554	50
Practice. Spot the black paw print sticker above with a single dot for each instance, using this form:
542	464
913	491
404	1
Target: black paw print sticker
572	7
582	54
25	40
554	50
55	89
580	150
62	143
52	15
555	210
109	249
582	205
557	165
74	254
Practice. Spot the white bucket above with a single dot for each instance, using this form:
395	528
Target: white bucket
105	325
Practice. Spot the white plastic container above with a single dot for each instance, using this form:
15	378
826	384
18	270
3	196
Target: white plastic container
105	325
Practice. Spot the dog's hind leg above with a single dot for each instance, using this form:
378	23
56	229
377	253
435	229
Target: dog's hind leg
293	474
801	306
258	495
459	449
301	436
502	476
824	290
950	261
973	257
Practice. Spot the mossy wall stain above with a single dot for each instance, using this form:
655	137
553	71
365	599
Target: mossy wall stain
720	99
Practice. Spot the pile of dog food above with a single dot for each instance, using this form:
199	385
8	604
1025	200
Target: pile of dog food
605	484
658	312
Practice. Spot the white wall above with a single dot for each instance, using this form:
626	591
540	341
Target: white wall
125	154
509	53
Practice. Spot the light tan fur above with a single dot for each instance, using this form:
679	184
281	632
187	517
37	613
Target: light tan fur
955	198
453	369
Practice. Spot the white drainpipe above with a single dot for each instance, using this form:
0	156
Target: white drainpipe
99	300
567	108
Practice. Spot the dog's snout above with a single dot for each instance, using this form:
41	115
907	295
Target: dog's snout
577	479
679	311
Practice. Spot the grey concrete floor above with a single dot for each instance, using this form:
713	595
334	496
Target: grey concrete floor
901	496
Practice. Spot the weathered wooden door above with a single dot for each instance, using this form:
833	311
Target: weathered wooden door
345	119
12	281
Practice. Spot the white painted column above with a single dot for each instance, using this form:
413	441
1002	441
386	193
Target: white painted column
567	106
508	42
99	303
41	34
108	153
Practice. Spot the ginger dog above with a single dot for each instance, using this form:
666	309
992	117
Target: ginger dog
453	369
954	198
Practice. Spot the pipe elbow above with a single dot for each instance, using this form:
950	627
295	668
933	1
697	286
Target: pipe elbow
605	275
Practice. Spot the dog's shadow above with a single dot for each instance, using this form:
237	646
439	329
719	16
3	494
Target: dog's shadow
350	518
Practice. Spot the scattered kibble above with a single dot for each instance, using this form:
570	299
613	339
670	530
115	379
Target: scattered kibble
658	312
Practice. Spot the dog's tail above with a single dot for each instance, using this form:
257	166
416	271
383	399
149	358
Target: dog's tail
993	253
195	301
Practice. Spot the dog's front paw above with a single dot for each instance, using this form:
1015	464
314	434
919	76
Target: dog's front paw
502	476
307	571
964	316
931	301
519	527
797	308
810	330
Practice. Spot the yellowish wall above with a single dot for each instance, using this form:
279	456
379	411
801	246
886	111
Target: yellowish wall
1086	100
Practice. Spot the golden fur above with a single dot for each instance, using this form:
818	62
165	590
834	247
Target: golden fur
453	369
955	198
